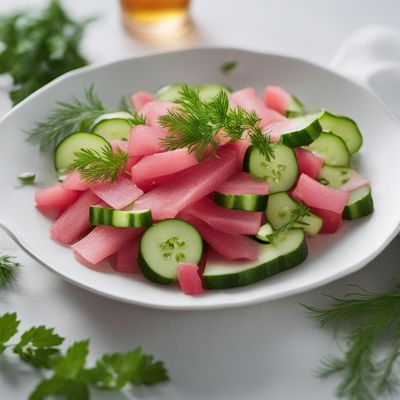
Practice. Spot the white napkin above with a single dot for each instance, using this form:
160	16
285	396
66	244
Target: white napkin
371	56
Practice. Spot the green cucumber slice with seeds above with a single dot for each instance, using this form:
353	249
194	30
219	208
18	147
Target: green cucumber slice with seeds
360	203
334	177
288	250
280	172
64	153
113	126
206	92
263	233
278	213
301	131
119	218
345	128
332	149
245	202
166	244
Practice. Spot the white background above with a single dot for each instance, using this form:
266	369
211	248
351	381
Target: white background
268	351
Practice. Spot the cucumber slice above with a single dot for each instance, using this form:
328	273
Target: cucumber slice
246	202
263	233
206	92
279	209
360	203
287	251
64	153
119	218
280	172
113	126
294	106
301	131
343	127
294	114
166	244
332	149
334	176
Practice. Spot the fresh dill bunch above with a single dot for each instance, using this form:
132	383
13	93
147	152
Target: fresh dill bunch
8	268
68	117
295	221
103	166
370	317
197	124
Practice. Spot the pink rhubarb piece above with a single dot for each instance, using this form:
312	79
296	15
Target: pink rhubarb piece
243	183
161	164
145	140
232	247
248	99
190	185
309	163
229	221
127	258
74	182
189	279
74	221
155	109
104	241
315	194
118	194
140	98
54	200
277	98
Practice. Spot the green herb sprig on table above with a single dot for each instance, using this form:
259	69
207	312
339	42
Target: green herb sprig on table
8	269
369	317
70	378
196	124
39	47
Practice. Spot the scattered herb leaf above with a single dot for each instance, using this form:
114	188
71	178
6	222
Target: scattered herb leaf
39	346
370	317
104	166
38	47
27	178
228	67
197	125
8	268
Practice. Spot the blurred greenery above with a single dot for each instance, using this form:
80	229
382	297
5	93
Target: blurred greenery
37	47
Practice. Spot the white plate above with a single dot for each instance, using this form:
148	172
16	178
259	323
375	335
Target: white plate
331	256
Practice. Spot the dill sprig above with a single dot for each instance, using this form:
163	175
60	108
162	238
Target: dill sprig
68	117
372	316
8	268
295	221
103	166
197	124
74	116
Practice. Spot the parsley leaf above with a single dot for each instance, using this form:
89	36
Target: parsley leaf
38	47
116	370
38	346
8	328
71	378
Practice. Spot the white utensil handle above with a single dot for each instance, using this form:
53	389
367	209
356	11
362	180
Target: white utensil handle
368	53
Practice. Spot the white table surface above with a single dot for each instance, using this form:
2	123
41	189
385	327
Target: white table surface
267	351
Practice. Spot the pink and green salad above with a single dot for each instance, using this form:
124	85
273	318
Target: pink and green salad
198	184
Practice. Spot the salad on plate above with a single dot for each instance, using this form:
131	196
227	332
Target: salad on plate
206	186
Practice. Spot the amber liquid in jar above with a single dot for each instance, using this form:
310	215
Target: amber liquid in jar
152	18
